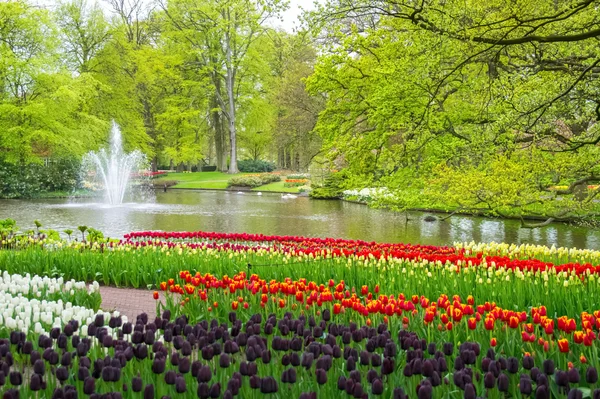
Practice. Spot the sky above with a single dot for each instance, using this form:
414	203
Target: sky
289	17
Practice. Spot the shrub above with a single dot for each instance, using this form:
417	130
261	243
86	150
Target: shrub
207	168
253	180
31	180
255	166
333	187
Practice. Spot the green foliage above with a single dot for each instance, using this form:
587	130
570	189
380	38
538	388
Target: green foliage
32	180
333	186
417	96
255	166
94	235
253	180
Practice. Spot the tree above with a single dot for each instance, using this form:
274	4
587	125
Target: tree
297	110
424	90
43	110
220	34
85	31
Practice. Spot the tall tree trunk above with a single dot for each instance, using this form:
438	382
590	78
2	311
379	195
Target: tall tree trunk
220	145
229	83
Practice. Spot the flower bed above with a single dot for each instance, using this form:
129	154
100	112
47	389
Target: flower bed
143	258
296	316
295	182
38	304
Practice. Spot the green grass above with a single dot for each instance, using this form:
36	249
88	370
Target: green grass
277	187
208	180
217	181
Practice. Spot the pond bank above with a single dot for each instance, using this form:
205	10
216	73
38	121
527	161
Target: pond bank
483	214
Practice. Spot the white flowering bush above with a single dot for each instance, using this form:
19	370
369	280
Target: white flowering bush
368	194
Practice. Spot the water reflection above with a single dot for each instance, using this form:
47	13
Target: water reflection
270	214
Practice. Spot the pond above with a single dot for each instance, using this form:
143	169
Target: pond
190	210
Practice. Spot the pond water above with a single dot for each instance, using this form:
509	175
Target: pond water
187	210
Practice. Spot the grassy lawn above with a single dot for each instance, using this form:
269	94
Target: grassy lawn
277	187
210	180
216	181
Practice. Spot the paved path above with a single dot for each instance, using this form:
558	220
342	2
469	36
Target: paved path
129	301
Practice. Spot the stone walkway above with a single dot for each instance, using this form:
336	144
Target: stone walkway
129	301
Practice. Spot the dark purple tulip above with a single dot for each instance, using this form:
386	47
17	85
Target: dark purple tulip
99	321
503	382
15	378
255	382
136	384
596	394
53	358
372	375
180	386
170	377
89	385
561	378
225	361
375	360
184	365
27	347
252	369
149	391
82	373
512	365
62	374
321	376
307	359
527	362
204	374
425	391
341	383
388	366
268	385
534	373
399	394
39	367
36	382
357	391
197	365
575	394
542	379
158	365
203	390
355	375
308	395
525	386
58	394
448	348
186	348
548	366
66	359
574	375
377	387
489	381
541	392
470	392
207	352
349	387
591	375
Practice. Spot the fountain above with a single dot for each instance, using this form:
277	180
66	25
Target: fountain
113	169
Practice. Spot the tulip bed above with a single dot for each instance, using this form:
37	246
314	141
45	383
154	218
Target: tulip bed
35	305
304	317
